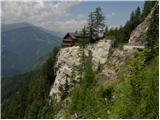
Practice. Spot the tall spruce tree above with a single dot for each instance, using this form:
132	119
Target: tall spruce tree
99	18
138	18
91	22
106	31
96	22
132	16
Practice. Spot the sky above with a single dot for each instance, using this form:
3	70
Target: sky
65	16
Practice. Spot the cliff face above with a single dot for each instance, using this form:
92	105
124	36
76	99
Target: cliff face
67	73
138	36
112	60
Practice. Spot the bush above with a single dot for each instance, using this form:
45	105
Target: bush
137	97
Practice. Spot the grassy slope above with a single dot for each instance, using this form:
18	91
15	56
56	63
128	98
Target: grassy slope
135	96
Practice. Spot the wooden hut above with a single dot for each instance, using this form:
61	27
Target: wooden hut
70	39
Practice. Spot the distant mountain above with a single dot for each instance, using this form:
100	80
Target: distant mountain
7	27
23	45
59	34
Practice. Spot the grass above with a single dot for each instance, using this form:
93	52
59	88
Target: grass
134	96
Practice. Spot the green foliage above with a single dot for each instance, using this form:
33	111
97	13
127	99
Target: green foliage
31	98
137	96
81	92
14	108
15	82
91	22
96	21
153	35
48	111
117	36
148	5
90	100
84	40
48	69
106	31
34	109
99	18
122	34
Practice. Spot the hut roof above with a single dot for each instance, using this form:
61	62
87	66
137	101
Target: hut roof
72	35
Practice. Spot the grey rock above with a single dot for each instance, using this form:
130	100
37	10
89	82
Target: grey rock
138	36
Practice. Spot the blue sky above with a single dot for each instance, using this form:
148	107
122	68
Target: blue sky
66	16
117	12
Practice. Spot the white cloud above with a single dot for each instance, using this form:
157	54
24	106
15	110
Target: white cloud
70	25
43	13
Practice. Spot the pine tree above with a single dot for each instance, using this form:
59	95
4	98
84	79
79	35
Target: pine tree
147	8
83	34
132	16
99	20
91	22
96	22
138	18
106	31
99	17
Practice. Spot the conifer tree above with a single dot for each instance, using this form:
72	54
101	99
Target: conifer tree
99	18
91	22
132	16
95	23
106	31
137	16
147	7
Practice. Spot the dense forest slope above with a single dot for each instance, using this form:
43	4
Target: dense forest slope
96	80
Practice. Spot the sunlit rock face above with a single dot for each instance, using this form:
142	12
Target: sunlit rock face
68	59
67	73
100	51
138	36
113	60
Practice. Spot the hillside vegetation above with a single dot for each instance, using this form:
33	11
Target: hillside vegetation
130	93
29	96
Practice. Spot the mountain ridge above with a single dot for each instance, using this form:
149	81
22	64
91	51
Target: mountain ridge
22	42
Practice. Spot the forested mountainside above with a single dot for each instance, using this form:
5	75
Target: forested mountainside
23	45
108	78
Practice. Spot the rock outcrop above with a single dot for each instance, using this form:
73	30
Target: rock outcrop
119	58
116	61
67	73
138	36
100	51
68	60
112	60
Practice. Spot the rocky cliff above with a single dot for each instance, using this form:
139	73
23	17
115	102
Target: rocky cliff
67	73
111	60
138	36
